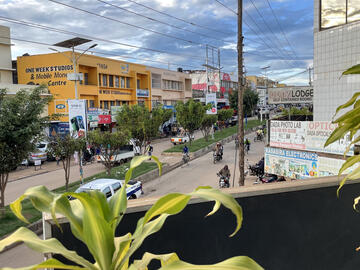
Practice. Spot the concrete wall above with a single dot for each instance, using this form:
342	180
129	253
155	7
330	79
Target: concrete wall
335	50
297	225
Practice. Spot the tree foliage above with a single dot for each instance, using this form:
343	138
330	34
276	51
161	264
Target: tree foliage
109	143
251	98
64	147
94	221
225	114
21	126
190	115
142	124
207	124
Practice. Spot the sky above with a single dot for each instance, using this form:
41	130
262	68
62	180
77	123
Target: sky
140	31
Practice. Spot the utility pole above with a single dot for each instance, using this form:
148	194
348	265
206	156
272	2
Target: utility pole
240	96
310	70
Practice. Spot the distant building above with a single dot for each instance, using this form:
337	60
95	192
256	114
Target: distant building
336	48
168	87
5	56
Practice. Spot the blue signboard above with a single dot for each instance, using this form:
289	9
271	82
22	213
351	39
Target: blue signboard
142	93
58	129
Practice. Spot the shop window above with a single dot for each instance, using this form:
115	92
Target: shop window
104	80
117	81
92	103
127	82
122	82
111	81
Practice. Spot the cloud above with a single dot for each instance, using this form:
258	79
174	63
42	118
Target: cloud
294	16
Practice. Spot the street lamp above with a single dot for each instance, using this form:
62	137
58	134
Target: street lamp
72	43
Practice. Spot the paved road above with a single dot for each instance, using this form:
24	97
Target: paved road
202	171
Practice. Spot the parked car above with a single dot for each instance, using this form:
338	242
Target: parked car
181	139
233	120
40	153
110	186
264	110
123	154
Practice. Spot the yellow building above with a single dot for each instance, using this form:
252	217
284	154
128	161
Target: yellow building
107	82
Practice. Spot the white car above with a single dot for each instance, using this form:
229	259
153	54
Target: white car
110	186
122	155
181	139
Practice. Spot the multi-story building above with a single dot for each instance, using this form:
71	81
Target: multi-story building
336	48
168	87
203	82
106	82
5	56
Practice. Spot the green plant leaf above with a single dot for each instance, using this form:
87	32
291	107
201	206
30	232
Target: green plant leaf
337	134
16	208
171	204
50	263
353	70
118	205
157	161
226	199
32	241
165	259
356	202
122	245
235	263
348	163
350	102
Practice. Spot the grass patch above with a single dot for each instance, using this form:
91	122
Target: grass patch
219	135
10	222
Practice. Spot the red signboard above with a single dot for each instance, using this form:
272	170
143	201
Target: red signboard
226	77
104	119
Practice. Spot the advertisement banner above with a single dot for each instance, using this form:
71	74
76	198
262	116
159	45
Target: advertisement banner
142	93
211	99
318	132
293	94
290	163
105	119
288	134
77	117
331	166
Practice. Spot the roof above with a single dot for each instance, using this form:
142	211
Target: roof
99	183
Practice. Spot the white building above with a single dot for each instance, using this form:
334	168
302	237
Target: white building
5	56
336	48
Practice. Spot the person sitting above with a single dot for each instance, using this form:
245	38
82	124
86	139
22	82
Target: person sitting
259	134
219	149
225	172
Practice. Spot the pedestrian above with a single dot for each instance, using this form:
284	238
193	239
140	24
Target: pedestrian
57	158
150	149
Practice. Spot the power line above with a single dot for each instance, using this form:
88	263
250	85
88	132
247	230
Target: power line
282	30
177	18
289	77
162	22
225	6
128	24
267	26
100	52
36	25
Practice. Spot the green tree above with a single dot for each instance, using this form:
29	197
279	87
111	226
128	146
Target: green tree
142	124
190	115
94	221
21	125
109	143
207	124
64	148
224	114
251	98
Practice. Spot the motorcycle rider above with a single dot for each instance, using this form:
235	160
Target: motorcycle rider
225	172
219	149
259	134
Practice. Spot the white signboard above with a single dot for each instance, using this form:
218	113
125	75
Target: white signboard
293	94
37	162
75	76
318	132
331	166
211	99
288	134
77	117
290	163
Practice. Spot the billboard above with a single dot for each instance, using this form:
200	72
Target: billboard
291	163
211	99
293	94
331	166
288	134
77	117
310	136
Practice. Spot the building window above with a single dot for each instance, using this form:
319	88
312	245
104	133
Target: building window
138	84
100	91
118	103
122	82
99	79
124	103
141	103
127	82
117	81
172	85
106	104
155	80
104	80
86	78
111	81
101	104
338	12
112	103
91	103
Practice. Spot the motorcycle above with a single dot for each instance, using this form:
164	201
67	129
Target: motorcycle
259	137
185	158
224	182
216	157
